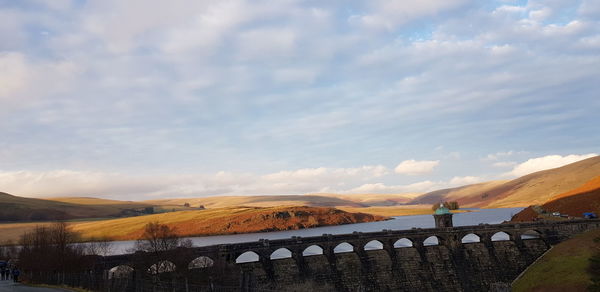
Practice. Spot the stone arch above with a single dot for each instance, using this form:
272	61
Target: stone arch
281	253
373	245
431	241
343	248
500	236
470	238
120	271
201	262
531	234
247	257
312	250
403	242
162	267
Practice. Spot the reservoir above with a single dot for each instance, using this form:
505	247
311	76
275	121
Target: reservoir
474	217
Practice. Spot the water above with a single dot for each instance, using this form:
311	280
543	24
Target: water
477	216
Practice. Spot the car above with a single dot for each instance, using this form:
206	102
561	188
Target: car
556	214
589	215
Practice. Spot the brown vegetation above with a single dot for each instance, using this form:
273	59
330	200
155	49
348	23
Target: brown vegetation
225	221
573	205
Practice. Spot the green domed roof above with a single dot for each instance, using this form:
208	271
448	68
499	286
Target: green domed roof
442	210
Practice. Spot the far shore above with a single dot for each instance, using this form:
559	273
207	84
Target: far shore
13	230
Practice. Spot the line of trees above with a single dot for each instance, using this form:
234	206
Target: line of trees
48	253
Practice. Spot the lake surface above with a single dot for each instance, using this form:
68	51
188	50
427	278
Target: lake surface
477	216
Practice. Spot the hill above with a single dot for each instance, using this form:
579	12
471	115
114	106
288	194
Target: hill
464	194
314	200
535	188
225	221
585	198
563	268
591	185
539	187
14	208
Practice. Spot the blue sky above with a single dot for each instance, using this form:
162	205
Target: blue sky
146	99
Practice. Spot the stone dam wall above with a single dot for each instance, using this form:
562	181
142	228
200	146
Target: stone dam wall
408	260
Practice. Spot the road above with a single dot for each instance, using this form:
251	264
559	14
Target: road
9	286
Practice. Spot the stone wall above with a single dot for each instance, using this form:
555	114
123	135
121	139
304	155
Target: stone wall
449	266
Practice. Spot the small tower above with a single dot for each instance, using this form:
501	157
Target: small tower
442	217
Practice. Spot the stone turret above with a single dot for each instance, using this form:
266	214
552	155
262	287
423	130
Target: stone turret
442	217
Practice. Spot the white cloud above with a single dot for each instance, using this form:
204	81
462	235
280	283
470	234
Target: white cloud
414	167
387	14
116	185
465	180
504	164
546	162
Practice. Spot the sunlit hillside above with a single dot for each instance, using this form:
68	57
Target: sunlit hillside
225	221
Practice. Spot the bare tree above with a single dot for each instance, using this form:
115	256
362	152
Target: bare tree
157	238
99	246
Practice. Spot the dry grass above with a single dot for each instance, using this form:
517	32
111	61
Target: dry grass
13	231
224	221
538	188
466	195
563	268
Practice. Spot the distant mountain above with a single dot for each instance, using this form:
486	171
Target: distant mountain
313	200
14	208
256	201
535	188
465	195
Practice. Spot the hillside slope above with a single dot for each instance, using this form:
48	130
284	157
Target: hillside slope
14	208
573	203
465	195
563	268
535	188
225	221
261	201
591	185
539	187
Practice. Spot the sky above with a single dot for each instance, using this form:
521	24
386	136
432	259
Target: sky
145	99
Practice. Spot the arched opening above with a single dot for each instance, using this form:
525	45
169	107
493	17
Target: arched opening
500	236
121	271
374	245
201	263
403	242
530	234
470	238
343	247
162	267
312	250
282	253
431	240
247	257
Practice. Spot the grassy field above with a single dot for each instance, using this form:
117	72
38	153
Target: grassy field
563	268
207	222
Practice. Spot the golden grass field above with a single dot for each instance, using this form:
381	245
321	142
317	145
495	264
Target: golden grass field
206	222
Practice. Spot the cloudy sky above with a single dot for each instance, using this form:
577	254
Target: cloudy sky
142	99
